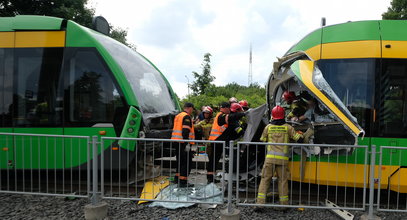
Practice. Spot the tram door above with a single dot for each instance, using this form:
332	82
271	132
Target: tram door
6	74
91	101
36	107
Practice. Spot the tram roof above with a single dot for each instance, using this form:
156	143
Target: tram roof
391	30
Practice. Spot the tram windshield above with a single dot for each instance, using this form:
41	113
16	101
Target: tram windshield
299	74
151	90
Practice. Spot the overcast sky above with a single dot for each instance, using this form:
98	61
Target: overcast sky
175	34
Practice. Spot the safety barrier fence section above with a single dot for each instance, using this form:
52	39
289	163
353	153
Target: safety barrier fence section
142	169
149	172
40	164
334	176
392	179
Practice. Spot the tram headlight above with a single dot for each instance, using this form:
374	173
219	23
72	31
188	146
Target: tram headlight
130	130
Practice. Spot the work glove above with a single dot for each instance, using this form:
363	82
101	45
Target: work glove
187	148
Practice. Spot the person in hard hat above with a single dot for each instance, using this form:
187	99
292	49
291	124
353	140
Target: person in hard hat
205	125
276	161
244	104
226	127
219	126
235	124
297	106
183	130
203	130
233	100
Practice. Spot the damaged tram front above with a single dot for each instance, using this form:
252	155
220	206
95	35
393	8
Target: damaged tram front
61	78
356	74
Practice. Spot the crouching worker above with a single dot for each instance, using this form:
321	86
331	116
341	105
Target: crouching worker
276	160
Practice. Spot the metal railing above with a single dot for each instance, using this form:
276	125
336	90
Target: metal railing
312	182
61	165
152	165
393	198
40	164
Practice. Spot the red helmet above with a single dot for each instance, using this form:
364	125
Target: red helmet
278	112
289	96
244	103
235	107
208	109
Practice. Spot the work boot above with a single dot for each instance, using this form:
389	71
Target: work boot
282	209
185	184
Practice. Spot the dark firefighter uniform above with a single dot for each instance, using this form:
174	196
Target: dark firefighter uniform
218	128
277	157
183	130
226	127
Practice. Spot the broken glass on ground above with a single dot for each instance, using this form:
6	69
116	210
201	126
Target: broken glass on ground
173	197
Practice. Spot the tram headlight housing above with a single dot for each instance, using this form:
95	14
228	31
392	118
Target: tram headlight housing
130	130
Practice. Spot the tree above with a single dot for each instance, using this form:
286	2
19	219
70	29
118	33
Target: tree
204	80
214	95
397	10
69	9
120	35
75	10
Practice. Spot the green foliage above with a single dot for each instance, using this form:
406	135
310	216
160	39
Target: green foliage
74	10
69	9
120	35
214	95
203	80
397	10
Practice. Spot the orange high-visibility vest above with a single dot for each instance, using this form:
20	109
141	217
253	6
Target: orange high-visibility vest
177	129
216	129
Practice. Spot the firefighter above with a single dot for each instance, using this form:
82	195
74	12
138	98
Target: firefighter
297	106
244	104
234	121
205	125
276	160
218	128
183	130
226	127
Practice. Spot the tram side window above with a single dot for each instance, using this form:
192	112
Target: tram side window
91	95
36	76
392	103
6	86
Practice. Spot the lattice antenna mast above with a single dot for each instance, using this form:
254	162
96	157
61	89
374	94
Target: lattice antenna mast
250	80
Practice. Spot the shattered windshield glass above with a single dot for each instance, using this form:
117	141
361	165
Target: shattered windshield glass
352	80
311	77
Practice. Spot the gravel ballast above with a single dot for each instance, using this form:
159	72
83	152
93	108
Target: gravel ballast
16	206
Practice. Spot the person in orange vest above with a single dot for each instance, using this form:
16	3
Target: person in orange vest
183	130
276	161
225	128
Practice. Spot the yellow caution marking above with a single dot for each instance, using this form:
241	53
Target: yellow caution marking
153	187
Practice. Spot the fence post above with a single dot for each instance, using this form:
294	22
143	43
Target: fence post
94	198
95	210
370	215
230	213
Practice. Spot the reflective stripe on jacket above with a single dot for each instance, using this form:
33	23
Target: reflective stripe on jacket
177	129
279	134
216	129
